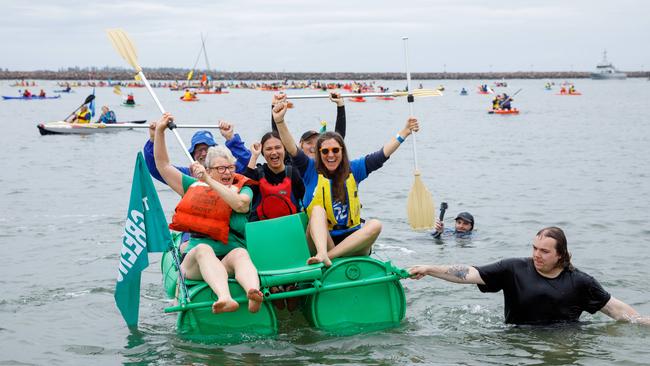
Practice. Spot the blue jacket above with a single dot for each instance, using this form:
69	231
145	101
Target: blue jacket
235	145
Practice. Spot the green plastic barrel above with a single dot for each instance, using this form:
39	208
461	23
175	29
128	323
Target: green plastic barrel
202	324
358	294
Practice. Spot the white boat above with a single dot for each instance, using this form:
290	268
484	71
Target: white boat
67	128
606	71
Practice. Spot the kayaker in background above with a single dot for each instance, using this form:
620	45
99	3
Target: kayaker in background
464	226
217	246
130	99
308	139
572	89
41	94
496	102
505	103
541	289
562	90
27	93
107	116
331	199
188	95
83	116
201	141
463	91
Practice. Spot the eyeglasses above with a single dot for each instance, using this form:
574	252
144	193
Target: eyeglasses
222	169
334	150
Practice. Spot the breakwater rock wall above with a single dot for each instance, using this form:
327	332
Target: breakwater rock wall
181	74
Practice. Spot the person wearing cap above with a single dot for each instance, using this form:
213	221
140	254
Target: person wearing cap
308	139
201	141
331	198
464	226
542	289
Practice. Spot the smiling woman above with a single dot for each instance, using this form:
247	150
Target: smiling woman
336	228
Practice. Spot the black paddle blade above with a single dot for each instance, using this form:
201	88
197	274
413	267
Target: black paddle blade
89	99
443	208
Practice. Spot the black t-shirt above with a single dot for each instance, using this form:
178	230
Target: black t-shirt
530	298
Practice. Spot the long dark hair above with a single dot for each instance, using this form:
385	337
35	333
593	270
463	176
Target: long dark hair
267	136
557	234
341	173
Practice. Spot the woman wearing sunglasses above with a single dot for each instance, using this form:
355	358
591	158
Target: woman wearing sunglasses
214	210
331	198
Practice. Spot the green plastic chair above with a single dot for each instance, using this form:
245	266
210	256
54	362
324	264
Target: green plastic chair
279	250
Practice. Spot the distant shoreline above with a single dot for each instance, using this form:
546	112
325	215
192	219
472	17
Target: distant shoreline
181	74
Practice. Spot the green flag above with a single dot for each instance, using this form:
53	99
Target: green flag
145	231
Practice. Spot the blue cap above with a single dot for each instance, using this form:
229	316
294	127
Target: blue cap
202	137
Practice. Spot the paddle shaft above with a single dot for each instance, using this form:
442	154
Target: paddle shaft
132	125
348	95
171	126
410	100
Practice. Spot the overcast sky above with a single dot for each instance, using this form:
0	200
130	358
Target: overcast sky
304	35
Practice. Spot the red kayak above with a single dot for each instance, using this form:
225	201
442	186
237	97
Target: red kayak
385	98
358	99
189	100
504	111
575	93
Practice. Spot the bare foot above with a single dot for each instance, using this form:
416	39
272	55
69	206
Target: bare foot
255	298
320	258
224	306
279	304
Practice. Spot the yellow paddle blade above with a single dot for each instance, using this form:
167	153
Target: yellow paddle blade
123	45
137	77
189	75
419	206
117	90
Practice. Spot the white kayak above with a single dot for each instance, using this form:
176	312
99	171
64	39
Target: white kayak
66	128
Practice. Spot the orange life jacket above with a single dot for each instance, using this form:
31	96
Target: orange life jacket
203	211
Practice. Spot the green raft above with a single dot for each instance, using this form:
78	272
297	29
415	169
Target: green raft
355	294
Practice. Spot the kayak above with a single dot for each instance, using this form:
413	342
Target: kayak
189	100
32	97
385	98
575	93
504	111
66	128
64	91
353	295
212	92
358	99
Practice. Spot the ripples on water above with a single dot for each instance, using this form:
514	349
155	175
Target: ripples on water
564	161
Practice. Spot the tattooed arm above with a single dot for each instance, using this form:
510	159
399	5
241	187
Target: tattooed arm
458	273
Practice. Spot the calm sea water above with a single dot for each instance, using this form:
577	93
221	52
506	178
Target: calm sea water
578	162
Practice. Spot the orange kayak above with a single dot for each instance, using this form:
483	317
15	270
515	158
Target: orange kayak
189	100
575	93
212	92
385	98
503	111
358	99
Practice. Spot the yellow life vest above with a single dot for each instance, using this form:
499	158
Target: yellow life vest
83	117
323	197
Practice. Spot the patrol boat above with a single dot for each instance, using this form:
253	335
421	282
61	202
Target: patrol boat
606	71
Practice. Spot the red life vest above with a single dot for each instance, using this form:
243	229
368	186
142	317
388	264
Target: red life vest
203	211
275	200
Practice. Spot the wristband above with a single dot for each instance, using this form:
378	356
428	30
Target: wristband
399	138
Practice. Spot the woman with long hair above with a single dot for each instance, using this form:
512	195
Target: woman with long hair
331	198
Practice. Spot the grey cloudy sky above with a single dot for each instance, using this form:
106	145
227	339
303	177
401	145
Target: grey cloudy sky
293	35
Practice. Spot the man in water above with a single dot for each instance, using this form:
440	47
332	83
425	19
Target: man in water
464	225
541	289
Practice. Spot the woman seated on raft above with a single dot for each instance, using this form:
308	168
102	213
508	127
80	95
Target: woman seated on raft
280	186
217	247
335	225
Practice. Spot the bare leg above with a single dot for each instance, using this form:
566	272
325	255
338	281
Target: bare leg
239	262
202	264
318	236
358	243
